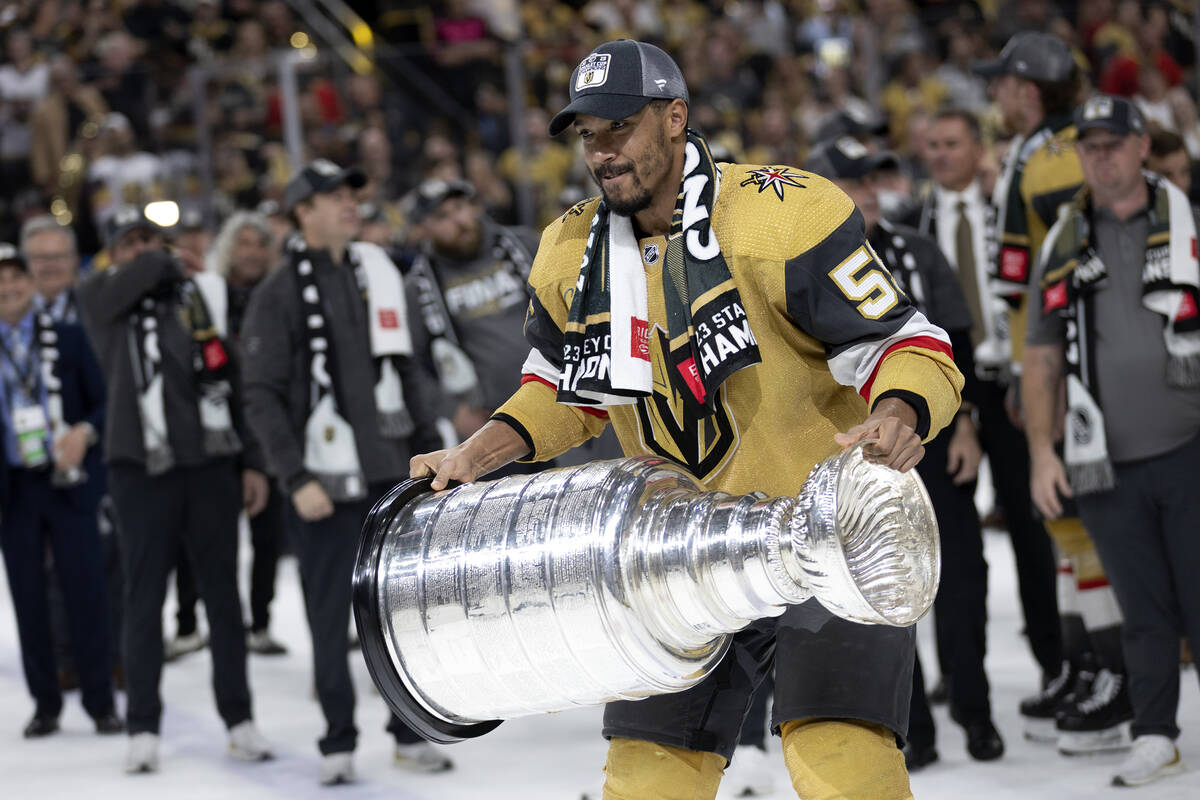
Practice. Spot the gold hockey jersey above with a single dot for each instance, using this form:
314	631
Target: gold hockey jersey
834	332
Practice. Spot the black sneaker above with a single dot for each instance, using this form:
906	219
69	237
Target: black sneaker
1038	712
1099	722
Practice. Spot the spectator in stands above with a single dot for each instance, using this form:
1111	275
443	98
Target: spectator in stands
1169	158
57	121
122	79
24	81
542	170
123	174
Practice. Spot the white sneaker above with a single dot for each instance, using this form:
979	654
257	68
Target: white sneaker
261	642
143	753
247	744
180	646
336	769
1153	757
421	757
749	773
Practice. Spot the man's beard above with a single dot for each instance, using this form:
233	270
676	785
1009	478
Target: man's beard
627	207
639	200
462	248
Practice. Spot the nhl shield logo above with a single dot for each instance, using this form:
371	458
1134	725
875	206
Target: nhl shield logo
593	71
650	253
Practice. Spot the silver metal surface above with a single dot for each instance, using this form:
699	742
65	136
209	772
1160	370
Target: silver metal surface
623	579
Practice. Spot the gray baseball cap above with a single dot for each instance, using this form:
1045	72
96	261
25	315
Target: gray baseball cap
617	79
1031	55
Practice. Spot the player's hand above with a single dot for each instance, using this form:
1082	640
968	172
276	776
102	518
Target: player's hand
445	466
311	502
963	453
890	435
1047	481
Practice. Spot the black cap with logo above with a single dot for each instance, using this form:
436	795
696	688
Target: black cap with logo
847	158
11	256
320	177
424	200
1031	55
124	220
617	79
1110	113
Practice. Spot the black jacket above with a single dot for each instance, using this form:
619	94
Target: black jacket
276	376
83	401
107	299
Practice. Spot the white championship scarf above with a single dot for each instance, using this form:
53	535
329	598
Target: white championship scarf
202	302
1072	271
330	450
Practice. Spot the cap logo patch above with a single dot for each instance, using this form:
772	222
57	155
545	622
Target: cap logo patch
1098	108
852	148
325	167
593	71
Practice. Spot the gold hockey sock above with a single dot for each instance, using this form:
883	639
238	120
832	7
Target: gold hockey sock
638	770
836	759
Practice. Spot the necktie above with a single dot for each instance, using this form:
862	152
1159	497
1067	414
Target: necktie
964	252
18	353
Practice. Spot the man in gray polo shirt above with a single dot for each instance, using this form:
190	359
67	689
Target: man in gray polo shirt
1118	286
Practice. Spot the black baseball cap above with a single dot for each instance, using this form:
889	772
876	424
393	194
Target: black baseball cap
1031	55
1111	113
617	79
847	157
124	220
424	200
320	177
11	256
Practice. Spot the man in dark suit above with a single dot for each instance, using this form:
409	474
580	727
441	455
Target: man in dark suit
51	411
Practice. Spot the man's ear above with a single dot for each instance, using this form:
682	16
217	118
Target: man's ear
677	117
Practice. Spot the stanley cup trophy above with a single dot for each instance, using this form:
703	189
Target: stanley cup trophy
616	580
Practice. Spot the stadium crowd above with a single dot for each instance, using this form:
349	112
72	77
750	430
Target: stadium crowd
168	250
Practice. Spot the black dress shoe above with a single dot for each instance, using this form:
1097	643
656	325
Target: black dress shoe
983	741
41	725
918	756
108	724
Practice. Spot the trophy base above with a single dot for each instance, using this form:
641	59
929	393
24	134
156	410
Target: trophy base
367	619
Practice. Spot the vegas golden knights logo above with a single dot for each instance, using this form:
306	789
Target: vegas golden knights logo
671	430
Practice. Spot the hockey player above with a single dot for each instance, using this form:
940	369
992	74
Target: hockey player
734	320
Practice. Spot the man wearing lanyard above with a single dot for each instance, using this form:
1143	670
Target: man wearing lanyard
51	409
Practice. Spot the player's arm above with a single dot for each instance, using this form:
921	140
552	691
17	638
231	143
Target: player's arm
875	340
531	425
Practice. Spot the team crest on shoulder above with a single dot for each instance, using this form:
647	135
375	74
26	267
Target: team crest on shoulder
777	178
577	209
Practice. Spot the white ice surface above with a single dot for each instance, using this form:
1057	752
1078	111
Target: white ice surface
540	758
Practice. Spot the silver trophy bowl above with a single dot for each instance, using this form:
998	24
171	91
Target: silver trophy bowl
616	580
